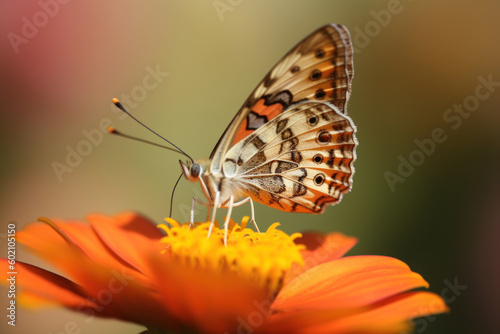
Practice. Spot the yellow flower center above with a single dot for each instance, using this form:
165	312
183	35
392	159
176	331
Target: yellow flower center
263	257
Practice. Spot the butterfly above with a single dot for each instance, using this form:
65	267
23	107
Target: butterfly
291	146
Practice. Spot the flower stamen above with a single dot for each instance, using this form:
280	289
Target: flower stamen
262	257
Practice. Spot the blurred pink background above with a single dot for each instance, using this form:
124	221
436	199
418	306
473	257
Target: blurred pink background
60	71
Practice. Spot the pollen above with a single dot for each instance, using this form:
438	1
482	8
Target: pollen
262	257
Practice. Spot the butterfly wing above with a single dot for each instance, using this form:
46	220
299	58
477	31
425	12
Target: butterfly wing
318	68
298	162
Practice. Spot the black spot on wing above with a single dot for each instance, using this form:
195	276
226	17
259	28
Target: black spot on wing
311	118
315	75
320	94
320	53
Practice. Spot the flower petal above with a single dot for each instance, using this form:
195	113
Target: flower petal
127	235
390	315
320	248
64	243
348	282
42	288
118	290
202	300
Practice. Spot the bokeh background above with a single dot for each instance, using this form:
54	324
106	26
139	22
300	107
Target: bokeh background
414	60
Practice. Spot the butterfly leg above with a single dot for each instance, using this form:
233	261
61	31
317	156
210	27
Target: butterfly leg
228	217
253	215
208	212
192	209
216	204
192	213
251	207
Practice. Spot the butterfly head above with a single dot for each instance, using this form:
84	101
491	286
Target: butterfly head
191	170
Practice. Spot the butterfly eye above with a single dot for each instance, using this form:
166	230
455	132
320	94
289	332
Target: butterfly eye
318	158
195	170
319	179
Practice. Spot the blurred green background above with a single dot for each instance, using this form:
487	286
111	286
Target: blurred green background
414	61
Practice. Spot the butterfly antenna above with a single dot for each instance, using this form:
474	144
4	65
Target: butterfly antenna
113	131
122	108
172	197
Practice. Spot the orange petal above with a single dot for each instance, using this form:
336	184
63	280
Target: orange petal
49	245
106	242
41	288
204	301
105	278
320	248
390	315
348	282
110	294
128	235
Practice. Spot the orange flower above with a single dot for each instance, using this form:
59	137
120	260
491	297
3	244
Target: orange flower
123	267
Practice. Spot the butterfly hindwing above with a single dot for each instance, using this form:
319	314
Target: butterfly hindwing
318	68
299	161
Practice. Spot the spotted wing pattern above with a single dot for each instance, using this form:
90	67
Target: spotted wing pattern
318	68
300	161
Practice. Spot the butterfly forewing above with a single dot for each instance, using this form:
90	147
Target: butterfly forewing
318	68
291	146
